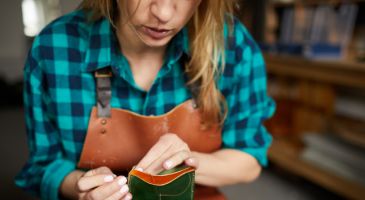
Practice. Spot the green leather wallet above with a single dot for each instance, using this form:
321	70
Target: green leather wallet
176	183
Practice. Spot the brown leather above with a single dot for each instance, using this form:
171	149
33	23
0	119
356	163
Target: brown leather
122	140
160	180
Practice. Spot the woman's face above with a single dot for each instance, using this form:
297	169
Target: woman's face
156	22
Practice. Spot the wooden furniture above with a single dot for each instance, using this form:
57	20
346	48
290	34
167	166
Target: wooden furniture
306	91
314	2
286	155
340	73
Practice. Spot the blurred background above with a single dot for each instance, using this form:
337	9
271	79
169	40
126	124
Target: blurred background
315	56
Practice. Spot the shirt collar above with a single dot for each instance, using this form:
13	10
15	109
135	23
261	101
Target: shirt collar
178	46
104	50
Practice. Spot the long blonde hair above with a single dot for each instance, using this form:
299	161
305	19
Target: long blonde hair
206	41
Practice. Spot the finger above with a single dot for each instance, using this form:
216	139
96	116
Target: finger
154	153
156	166
100	170
87	183
176	159
117	186
122	193
128	196
177	145
81	196
118	195
193	162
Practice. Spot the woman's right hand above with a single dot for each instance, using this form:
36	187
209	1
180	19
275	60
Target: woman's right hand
99	184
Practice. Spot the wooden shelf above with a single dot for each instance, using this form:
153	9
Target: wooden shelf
313	2
349	74
287	156
307	91
349	130
306	77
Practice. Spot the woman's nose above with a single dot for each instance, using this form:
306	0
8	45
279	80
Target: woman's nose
163	10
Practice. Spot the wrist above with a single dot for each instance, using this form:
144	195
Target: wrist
68	185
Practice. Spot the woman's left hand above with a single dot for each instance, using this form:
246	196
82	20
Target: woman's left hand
168	152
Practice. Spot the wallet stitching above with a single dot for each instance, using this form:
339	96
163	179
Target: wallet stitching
187	187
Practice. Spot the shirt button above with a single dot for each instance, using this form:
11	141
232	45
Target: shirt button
103	121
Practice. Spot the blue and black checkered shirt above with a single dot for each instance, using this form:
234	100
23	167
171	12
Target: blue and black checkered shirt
60	92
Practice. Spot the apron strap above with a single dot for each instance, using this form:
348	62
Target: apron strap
104	92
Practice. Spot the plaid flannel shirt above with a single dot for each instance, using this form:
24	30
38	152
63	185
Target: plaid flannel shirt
59	93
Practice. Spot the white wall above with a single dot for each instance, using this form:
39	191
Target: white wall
13	47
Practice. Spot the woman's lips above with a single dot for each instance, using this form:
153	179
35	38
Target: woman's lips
155	33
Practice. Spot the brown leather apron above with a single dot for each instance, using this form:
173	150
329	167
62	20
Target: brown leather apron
119	139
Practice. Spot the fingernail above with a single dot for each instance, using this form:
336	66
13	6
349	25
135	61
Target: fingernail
122	180
168	164
139	169
124	189
190	160
128	196
108	178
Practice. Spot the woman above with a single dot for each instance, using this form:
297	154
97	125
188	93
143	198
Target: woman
157	51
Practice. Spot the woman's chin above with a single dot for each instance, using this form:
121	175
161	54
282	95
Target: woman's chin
156	43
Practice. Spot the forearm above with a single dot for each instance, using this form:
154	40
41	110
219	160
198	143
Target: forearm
68	186
226	167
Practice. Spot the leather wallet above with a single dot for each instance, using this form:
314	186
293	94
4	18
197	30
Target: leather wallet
176	183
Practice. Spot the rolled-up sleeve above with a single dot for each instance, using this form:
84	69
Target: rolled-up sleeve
247	100
46	167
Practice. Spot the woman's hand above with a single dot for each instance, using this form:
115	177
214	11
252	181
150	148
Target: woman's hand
167	153
97	184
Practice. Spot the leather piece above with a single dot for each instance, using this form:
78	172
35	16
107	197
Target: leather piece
121	141
177	185
161	179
